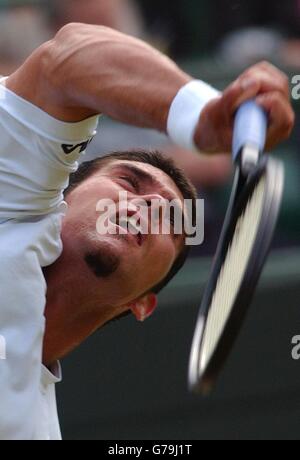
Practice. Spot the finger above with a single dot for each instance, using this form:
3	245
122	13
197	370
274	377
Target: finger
237	93
281	117
277	80
251	84
276	73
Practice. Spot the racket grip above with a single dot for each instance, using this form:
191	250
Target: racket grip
250	128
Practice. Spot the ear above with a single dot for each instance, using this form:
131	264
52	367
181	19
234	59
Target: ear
143	307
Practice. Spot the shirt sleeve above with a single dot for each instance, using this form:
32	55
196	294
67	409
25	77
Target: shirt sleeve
37	155
25	247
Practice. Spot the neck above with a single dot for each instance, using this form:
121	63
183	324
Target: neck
70	319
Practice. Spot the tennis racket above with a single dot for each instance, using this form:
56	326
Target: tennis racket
242	249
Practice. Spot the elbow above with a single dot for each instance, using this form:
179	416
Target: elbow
73	30
64	56
54	55
57	54
69	33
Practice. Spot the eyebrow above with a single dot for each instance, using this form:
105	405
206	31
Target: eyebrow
144	176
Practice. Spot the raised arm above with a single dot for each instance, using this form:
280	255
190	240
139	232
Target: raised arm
90	69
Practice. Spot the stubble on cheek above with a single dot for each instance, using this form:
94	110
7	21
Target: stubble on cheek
103	263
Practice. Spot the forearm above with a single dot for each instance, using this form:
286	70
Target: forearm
87	69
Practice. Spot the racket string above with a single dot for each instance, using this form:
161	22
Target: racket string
232	272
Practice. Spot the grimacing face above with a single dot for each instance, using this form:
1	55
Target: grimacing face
130	266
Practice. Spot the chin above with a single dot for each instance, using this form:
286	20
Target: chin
104	258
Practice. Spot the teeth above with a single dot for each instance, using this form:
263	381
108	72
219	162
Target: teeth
123	222
128	223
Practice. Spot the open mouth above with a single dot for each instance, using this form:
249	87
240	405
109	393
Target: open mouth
129	225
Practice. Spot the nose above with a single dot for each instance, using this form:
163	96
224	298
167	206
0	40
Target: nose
154	203
157	206
153	200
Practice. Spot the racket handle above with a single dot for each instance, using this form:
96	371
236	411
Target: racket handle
250	128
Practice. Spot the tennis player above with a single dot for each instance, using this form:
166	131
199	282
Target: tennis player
60	280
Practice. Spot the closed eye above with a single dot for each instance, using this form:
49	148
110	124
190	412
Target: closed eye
132	181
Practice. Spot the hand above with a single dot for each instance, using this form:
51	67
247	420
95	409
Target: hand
270	87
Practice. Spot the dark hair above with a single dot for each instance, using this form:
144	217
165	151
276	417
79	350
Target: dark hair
153	158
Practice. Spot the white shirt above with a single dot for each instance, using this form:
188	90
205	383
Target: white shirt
37	154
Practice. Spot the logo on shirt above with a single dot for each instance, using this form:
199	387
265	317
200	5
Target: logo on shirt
2	347
70	148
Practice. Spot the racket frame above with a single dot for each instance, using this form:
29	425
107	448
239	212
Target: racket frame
202	380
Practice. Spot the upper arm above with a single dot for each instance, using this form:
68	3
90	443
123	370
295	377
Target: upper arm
37	151
35	81
87	70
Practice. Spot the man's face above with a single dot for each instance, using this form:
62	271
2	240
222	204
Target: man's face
130	264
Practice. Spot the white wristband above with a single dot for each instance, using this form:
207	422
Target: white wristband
185	112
